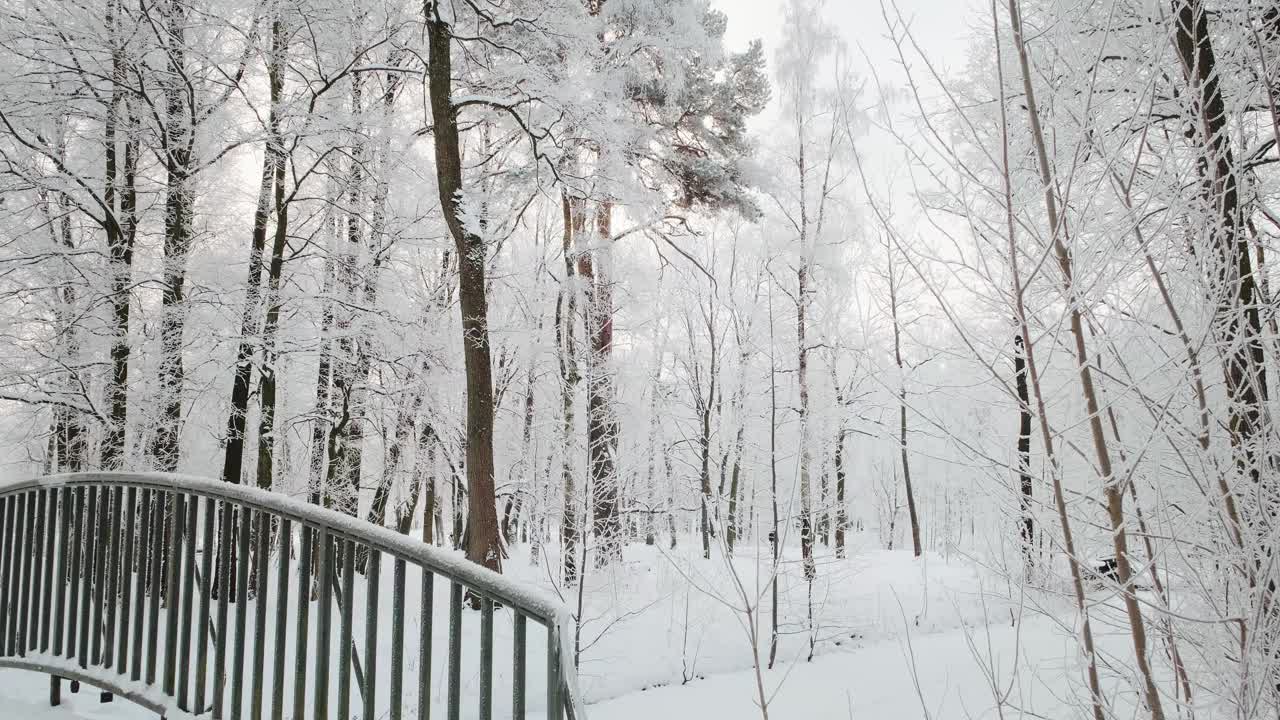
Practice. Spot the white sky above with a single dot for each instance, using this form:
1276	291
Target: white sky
943	27
944	30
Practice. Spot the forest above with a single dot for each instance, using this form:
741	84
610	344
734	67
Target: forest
812	380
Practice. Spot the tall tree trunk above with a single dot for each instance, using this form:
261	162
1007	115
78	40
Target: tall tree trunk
271	178
594	261
121	230
842	431
403	434
347	439
320	424
650	522
739	442
528	464
566	312
1237	321
67	438
424	468
483	544
803	292
380	248
1096	699
179	134
1027	526
902	409
775	539
706	404
270	328
1111	484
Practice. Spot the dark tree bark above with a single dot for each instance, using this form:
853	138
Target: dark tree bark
177	144
1027	525
271	178
121	231
602	424
352	363
424	479
842	431
483	544
320	426
403	435
739	442
705	407
1238	322
270	328
902	410
566	310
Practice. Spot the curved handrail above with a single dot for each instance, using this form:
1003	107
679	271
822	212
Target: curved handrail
16	562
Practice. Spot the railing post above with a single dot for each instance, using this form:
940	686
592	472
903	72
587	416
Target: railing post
59	617
303	630
261	555
321	706
77	574
424	644
344	630
161	522
172	593
243	557
50	561
282	617
455	650
29	541
189	623
369	693
486	659
141	547
397	639
7	554
206	601
555	707
88	545
223	570
518	667
113	576
129	516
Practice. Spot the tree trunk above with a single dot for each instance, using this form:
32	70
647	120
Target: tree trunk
403	434
602	425
483	544
902	410
841	513
272	173
1237	320
803	291
775	539
566	311
705	407
121	230
739	442
424	468
270	327
1111	484
179	134
347	439
1028	528
320	424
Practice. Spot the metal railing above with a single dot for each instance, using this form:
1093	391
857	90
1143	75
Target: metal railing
163	589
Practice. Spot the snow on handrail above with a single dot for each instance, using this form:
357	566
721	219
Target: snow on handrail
535	603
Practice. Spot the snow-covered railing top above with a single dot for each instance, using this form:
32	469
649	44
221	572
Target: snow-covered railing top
80	552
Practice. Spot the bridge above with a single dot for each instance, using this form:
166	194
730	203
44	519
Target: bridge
193	597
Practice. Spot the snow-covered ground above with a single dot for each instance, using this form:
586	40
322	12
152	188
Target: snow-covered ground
666	636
